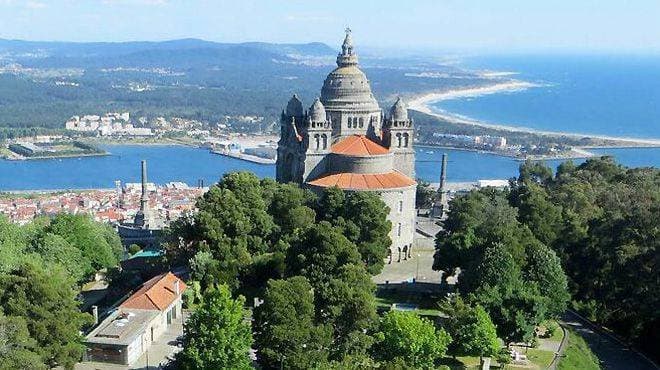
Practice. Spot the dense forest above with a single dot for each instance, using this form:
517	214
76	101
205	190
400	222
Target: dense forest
599	219
300	265
42	267
309	260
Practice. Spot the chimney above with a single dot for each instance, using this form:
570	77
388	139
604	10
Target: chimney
443	179
176	287
143	198
95	313
119	193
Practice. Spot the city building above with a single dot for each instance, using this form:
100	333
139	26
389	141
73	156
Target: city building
130	329
344	139
108	125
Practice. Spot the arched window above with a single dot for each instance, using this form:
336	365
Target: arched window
317	140
361	122
405	140
350	122
398	229
398	140
325	141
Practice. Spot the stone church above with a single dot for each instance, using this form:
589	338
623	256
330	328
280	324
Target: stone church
344	139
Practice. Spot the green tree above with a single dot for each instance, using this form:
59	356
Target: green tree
233	225
544	268
45	298
347	303
204	269
98	242
17	349
516	307
536	210
53	248
504	267
410	339
319	253
475	221
362	218
134	248
217	335
425	196
290	209
535	171
12	244
608	244
286	335
473	332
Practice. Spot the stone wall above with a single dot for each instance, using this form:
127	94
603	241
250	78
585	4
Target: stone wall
359	164
402	212
404	162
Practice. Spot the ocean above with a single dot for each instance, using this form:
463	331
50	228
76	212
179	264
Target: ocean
616	95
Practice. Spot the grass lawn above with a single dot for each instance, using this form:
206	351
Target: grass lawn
540	358
426	305
461	363
577	355
558	333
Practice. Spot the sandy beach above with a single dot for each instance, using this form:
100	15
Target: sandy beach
422	104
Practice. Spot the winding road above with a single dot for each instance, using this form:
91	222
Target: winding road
613	354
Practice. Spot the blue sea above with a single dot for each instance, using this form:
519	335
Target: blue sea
596	94
616	95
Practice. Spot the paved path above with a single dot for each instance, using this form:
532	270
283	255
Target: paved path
613	354
418	266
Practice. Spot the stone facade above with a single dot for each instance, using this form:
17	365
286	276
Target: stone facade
344	139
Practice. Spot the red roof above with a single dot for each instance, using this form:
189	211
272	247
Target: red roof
358	181
156	294
358	145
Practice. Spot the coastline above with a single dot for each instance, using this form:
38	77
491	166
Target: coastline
422	103
575	153
57	156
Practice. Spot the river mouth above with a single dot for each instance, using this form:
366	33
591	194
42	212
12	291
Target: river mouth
176	163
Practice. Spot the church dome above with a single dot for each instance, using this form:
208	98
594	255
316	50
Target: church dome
294	108
399	112
317	111
347	87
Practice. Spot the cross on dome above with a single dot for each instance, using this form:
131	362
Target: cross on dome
347	45
347	56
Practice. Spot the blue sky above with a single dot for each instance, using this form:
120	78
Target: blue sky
495	25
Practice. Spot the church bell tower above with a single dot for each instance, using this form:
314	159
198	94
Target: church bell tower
398	133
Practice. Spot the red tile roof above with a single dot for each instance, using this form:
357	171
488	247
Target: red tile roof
156	294
359	145
358	181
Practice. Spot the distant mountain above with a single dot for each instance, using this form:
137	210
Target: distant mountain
100	49
44	83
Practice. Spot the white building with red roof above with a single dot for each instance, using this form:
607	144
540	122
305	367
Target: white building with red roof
130	329
345	140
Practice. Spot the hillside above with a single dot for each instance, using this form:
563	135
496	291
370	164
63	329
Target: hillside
44	83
